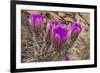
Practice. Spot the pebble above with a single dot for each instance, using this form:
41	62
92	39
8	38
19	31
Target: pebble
68	19
61	14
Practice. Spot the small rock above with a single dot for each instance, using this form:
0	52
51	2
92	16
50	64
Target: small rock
61	14
68	19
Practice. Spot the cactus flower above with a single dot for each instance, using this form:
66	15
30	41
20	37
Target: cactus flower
66	58
59	35
36	21
75	29
49	28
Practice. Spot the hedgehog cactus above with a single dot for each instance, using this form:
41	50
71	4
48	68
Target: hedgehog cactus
56	33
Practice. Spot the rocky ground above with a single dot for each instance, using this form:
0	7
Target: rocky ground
80	49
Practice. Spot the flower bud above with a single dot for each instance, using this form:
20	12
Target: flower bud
36	21
75	29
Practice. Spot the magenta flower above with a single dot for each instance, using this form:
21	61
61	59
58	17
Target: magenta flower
59	35
36	21
75	29
66	58
49	28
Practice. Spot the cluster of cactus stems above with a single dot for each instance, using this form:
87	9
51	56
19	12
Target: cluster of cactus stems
56	39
